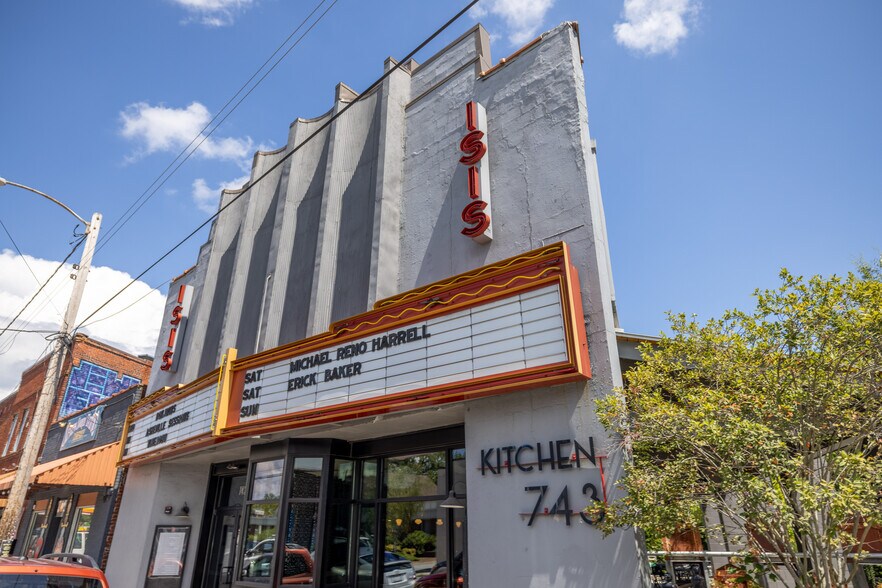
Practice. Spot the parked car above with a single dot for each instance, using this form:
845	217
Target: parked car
398	572
296	569
70	570
437	577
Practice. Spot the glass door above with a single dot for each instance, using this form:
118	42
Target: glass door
222	548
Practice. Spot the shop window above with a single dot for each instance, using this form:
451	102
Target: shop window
301	530
369	479
37	529
336	556
416	475
262	517
11	434
80	526
415	541
306	477
404	537
24	424
267	483
367	538
62	506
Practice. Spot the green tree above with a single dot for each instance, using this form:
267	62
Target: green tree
772	418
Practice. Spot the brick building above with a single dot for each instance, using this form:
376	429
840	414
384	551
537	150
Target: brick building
79	449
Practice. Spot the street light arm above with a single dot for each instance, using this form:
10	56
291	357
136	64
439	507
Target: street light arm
3	182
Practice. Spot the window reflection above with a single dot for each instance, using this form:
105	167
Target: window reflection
369	479
416	475
300	542
341	484
267	483
80	529
306	477
336	555
260	542
366	543
37	533
416	540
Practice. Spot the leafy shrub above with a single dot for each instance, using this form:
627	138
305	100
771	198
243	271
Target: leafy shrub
419	541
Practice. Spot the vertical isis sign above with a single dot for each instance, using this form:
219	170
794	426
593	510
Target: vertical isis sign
476	214
178	323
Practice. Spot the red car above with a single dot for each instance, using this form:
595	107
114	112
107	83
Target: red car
437	577
51	570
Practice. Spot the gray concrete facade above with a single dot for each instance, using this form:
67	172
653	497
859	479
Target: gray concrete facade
371	207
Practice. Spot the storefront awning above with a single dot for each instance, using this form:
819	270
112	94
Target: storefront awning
96	467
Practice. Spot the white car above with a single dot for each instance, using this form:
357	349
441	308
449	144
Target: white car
398	572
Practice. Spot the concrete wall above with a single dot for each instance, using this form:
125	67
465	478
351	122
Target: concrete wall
503	549
148	490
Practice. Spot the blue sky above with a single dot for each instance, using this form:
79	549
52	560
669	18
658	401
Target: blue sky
734	138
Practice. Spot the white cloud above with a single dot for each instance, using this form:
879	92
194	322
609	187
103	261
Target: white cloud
655	26
207	198
159	128
523	18
214	13
134	329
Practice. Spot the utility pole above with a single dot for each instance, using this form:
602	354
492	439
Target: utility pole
30	452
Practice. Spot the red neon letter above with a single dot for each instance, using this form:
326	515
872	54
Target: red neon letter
473	214
471	116
473	148
474	183
166	360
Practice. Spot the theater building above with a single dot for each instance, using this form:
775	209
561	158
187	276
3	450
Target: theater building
381	370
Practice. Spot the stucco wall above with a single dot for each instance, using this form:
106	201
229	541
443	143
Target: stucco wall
148	490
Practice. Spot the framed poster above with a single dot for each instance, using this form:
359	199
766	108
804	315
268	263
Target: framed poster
168	555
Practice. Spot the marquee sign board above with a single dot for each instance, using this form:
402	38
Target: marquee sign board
515	324
173	419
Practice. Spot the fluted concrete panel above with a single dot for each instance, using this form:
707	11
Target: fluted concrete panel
385	244
349	140
358	176
204	330
292	284
245	299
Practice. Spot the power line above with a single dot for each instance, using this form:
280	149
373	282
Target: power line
18	250
24	259
43	285
287	156
42	331
34	312
141	200
155	289
203	139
